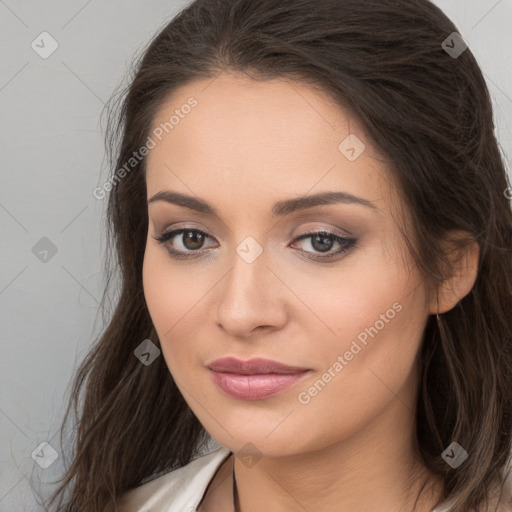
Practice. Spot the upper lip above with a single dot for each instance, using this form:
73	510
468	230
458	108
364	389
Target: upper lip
252	366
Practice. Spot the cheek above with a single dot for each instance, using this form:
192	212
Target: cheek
171	290
345	299
157	284
368	320
368	364
368	324
180	302
171	301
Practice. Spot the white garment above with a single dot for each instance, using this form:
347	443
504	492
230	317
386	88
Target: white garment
180	490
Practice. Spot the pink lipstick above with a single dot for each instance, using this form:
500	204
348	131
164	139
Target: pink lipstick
255	379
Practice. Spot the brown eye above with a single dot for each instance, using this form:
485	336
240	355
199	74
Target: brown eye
192	240
323	241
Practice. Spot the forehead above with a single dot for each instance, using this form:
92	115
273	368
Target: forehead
276	137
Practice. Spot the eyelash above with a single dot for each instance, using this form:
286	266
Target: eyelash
165	239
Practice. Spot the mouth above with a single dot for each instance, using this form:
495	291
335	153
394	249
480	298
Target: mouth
255	366
255	379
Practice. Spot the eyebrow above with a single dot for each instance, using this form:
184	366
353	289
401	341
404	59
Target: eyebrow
280	208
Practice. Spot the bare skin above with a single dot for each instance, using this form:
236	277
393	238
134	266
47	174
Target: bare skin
220	493
346	445
219	496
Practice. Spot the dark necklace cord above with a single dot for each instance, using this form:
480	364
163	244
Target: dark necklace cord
236	502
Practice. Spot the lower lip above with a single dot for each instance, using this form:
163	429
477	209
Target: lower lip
255	387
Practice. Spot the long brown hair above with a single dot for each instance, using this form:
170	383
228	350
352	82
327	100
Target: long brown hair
431	114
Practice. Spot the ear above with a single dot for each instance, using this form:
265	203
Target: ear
461	275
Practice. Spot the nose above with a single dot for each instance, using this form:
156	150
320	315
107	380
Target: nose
251	297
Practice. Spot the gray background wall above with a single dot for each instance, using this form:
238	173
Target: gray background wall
52	157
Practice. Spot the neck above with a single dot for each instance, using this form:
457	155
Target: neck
352	475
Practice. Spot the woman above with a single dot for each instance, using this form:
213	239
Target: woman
310	214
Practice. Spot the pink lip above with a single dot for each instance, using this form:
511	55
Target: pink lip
254	379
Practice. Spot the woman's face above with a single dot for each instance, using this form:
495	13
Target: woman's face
351	310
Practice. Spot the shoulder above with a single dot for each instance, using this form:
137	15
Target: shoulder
180	489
